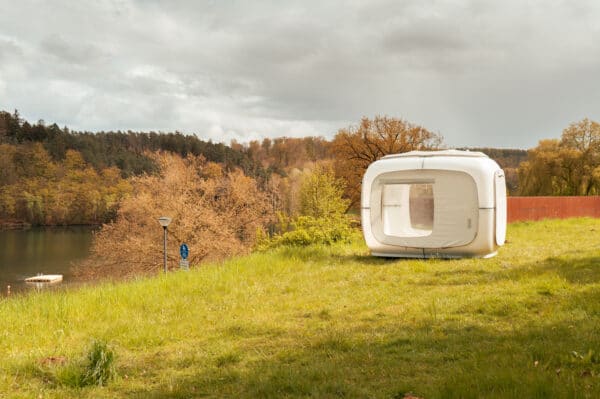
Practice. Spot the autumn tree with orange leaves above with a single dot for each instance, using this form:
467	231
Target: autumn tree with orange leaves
356	147
217	213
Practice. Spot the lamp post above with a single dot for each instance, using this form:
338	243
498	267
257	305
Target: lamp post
164	222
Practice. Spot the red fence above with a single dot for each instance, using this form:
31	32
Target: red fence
536	208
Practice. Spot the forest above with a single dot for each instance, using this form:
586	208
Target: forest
54	176
231	199
128	151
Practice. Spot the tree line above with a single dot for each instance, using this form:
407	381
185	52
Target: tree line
566	166
127	151
51	175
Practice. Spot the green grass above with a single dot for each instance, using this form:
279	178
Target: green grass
329	322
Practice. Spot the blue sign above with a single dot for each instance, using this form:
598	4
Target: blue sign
184	251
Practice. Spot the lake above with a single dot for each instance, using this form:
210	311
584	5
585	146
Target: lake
25	253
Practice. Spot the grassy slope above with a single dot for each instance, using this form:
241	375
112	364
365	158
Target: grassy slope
332	322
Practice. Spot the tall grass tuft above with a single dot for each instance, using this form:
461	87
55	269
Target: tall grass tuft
99	369
96	368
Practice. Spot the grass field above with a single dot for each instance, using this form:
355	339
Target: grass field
329	322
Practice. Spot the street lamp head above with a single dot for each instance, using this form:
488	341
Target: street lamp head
164	221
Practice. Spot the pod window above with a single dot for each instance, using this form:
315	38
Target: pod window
407	209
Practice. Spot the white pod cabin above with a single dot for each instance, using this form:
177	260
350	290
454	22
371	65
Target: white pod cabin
424	204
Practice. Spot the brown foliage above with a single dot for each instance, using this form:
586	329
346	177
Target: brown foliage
217	215
285	153
356	147
286	191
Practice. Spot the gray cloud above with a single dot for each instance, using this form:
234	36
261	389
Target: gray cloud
430	39
9	49
72	52
479	72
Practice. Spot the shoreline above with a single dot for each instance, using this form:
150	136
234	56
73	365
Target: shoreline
8	225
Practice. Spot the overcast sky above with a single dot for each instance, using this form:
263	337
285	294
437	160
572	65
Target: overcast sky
496	73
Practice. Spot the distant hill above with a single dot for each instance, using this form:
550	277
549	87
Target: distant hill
124	150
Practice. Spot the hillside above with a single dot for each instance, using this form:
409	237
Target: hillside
329	322
125	150
54	176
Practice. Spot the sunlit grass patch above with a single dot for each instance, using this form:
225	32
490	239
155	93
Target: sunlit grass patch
329	321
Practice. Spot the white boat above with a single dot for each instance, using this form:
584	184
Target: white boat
45	278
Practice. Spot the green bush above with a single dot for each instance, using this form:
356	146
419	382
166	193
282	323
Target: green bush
307	230
321	194
322	220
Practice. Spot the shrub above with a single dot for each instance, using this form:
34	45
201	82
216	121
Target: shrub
307	230
323	219
99	368
321	194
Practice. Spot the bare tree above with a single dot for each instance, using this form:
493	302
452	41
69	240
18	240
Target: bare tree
356	147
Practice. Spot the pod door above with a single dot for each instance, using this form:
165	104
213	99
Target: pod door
424	208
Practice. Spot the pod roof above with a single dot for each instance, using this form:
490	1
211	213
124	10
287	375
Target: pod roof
443	153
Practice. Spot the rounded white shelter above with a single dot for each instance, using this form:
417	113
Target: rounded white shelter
423	204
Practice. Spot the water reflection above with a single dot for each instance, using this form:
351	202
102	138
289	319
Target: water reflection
25	253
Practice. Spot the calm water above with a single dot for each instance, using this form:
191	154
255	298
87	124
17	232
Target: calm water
25	253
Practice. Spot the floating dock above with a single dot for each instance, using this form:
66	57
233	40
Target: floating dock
45	278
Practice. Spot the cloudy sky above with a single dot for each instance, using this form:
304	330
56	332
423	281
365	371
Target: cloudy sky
481	73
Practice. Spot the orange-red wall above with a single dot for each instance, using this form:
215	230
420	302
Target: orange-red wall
536	208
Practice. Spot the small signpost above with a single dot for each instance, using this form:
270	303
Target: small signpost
184	251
